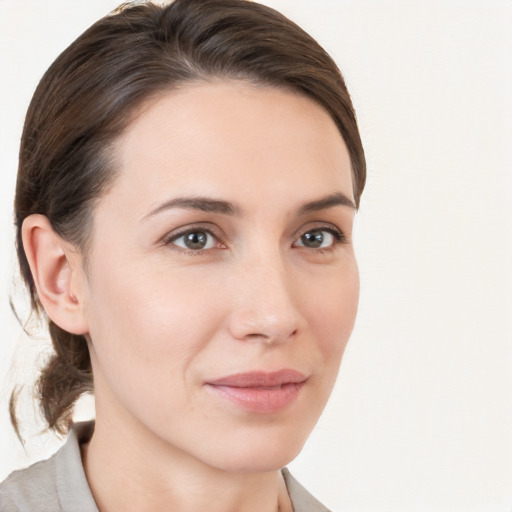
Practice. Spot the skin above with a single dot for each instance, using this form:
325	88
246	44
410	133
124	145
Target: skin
162	319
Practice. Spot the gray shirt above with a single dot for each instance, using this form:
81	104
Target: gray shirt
59	483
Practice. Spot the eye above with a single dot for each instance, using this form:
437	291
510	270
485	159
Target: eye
194	240
319	239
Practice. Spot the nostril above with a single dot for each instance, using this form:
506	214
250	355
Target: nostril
266	324
256	336
272	338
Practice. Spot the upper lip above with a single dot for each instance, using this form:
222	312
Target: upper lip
260	379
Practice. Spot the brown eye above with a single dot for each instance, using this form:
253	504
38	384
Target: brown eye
195	240
317	239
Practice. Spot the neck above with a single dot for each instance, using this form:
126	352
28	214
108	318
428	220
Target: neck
128	471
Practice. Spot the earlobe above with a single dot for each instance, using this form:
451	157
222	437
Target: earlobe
57	273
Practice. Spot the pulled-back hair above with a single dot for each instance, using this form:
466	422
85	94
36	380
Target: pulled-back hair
89	95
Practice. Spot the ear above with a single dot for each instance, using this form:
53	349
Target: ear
58	275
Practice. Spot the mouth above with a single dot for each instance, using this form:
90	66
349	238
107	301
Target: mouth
260	392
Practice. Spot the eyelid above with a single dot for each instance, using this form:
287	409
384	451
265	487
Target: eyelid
339	234
169	238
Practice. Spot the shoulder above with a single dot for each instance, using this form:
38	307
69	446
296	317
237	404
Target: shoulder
27	489
301	499
54	485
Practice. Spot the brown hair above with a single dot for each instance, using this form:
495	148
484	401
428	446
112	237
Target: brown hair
87	97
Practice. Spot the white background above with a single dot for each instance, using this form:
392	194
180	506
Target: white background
421	418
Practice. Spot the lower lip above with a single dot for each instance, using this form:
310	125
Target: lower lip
260	400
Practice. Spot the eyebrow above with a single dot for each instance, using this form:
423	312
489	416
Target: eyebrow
204	204
209	205
336	199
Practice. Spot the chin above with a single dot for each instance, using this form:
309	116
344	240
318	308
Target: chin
261	462
261	452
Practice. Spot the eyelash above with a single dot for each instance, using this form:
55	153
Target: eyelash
170	239
338	235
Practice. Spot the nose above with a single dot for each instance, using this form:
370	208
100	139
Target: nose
265	300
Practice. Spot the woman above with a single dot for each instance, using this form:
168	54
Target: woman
187	185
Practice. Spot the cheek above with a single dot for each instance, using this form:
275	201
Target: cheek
147	326
333	309
147	333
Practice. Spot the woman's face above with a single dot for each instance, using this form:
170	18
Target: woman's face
221	284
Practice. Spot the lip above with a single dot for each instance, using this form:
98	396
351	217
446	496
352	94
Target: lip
260	392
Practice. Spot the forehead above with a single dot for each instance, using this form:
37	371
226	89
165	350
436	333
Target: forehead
233	138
